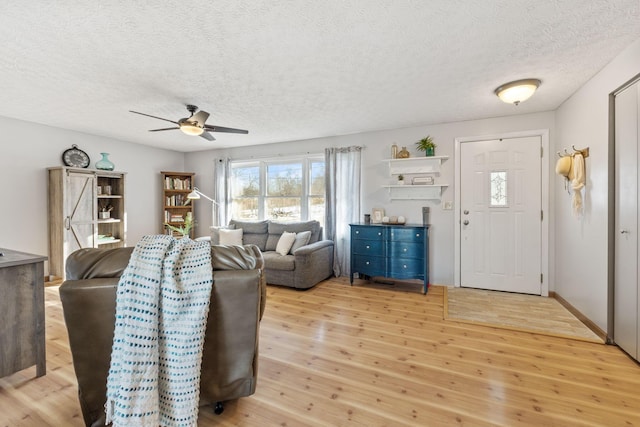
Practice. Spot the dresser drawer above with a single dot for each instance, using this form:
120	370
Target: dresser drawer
406	268
369	265
367	247
407	234
405	250
367	233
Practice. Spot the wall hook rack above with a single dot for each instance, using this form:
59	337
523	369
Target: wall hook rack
583	151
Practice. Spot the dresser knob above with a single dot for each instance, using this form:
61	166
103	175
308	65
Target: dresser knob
367	246
417	234
404	250
367	262
357	232
379	234
404	266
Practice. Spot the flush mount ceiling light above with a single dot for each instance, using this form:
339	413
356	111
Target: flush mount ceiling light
517	91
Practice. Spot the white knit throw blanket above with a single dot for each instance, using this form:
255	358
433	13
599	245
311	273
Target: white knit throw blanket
161	313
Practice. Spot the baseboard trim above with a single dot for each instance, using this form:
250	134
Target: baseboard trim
581	317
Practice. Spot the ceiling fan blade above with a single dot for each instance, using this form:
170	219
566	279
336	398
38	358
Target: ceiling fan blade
211	128
155	117
158	130
200	117
206	135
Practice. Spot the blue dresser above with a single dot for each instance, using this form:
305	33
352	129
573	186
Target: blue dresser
393	251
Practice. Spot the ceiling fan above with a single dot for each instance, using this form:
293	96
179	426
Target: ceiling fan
194	124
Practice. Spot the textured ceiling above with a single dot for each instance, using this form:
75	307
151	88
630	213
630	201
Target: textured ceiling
296	69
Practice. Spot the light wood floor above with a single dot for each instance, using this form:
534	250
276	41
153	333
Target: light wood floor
367	355
529	313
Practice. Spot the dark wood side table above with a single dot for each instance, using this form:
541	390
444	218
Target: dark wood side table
22	342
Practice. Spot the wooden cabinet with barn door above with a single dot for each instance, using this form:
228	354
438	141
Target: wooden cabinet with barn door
86	210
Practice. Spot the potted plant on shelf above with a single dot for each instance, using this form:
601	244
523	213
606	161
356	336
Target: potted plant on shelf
400	180
427	145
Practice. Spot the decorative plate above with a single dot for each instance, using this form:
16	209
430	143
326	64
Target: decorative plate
75	157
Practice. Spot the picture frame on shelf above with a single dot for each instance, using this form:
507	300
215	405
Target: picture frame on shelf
376	215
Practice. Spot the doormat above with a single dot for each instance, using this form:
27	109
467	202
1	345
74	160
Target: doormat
517	312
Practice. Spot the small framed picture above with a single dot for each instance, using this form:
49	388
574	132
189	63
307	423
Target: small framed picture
376	215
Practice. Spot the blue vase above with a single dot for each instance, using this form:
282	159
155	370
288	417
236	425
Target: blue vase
104	163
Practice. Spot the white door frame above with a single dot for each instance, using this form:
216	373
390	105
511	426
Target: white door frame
544	138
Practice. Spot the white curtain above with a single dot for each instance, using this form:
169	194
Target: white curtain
342	180
221	191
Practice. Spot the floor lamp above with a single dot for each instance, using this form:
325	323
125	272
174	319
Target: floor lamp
196	194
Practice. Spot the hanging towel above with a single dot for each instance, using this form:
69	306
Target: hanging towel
162	304
578	182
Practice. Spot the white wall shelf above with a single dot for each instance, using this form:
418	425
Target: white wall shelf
415	165
415	192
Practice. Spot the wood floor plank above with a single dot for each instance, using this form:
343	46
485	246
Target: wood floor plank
372	355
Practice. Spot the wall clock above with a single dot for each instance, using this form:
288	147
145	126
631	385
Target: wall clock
75	157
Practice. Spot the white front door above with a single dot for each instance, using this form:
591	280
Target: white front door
500	215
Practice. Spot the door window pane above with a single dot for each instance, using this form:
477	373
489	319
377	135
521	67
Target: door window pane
498	189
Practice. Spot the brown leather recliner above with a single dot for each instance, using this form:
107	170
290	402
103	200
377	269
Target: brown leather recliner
230	357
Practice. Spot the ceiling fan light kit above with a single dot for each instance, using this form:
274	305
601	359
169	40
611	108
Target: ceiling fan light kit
190	129
517	91
194	125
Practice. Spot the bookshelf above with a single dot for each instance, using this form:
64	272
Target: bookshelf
175	205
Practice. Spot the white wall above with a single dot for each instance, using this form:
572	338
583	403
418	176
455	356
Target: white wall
581	243
375	172
29	148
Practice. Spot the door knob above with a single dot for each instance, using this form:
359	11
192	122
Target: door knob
466	212
465	222
623	231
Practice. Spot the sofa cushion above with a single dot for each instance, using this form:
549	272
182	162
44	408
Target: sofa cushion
275	261
215	233
302	239
254	232
277	228
285	243
230	237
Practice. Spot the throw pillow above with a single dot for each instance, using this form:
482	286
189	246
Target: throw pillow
285	243
231	237
302	239
215	233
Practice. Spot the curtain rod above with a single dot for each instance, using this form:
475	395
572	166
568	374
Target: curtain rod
277	156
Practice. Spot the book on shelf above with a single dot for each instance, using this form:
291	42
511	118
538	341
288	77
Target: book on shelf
177	183
176	218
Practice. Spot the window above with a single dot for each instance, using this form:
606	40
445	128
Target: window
282	190
498	190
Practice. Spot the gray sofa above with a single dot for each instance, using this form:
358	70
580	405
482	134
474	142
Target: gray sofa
301	269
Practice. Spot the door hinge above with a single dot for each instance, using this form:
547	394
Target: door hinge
541	151
541	278
541	215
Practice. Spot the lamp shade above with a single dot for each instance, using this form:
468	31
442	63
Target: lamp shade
190	129
517	91
193	195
